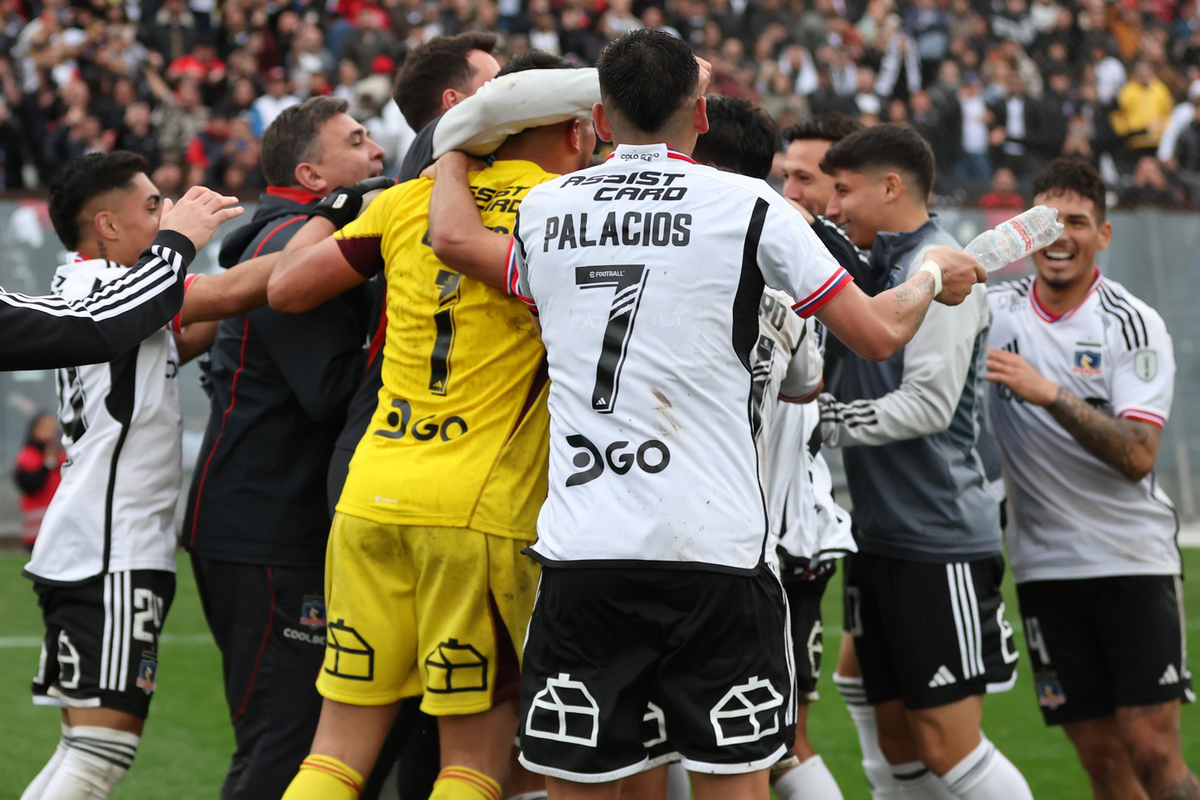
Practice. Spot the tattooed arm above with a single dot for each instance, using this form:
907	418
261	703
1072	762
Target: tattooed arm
876	327
1129	446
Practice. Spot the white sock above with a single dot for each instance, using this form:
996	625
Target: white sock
96	759
678	785
876	767
913	780
811	780
985	774
37	786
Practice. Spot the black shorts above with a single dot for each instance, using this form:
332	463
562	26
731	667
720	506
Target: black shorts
710	650
805	588
929	634
1099	643
101	644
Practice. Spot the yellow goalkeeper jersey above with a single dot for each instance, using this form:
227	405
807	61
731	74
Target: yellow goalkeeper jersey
460	435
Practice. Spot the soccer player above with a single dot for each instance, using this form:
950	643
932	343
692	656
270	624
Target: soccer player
426	588
104	563
1083	375
256	524
923	593
436	76
811	530
655	586
810	189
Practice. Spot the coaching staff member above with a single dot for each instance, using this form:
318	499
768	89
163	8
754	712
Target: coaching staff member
256	521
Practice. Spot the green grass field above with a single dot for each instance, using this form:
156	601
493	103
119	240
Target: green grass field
188	739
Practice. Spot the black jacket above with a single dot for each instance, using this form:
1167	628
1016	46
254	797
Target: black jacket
280	385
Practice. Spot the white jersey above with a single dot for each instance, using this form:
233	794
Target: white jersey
1071	515
122	427
647	273
805	520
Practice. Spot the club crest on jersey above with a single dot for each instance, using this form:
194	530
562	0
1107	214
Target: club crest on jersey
312	611
1049	690
1087	362
147	672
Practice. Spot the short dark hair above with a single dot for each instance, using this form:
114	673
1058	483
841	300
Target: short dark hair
831	126
294	137
646	75
86	177
431	68
535	59
1076	175
741	137
891	146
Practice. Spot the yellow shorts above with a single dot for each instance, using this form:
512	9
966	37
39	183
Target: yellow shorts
424	610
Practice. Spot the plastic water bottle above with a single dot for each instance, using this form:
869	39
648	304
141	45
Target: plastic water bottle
1016	238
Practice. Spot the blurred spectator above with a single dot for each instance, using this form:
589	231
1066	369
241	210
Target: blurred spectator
1003	194
1143	107
137	135
370	39
37	473
1181	117
973	164
171	32
1149	187
181	114
277	98
1016	126
1110	73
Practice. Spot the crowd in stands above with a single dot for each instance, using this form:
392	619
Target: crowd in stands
999	87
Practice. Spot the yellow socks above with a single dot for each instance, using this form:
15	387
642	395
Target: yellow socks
325	778
464	783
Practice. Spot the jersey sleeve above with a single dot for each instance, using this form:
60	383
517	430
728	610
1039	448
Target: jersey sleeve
792	258
937	361
1143	377
803	376
361	242
50	332
517	273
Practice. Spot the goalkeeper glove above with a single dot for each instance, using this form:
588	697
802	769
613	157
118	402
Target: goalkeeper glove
343	205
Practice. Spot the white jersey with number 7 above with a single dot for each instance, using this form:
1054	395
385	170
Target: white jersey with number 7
646	273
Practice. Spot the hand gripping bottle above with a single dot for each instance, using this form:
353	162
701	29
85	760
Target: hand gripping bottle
1016	238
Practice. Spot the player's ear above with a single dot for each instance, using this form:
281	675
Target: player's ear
700	115
451	98
893	185
574	133
104	225
603	129
1105	235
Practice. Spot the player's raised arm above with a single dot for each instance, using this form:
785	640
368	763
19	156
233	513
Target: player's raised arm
457	233
876	327
315	266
